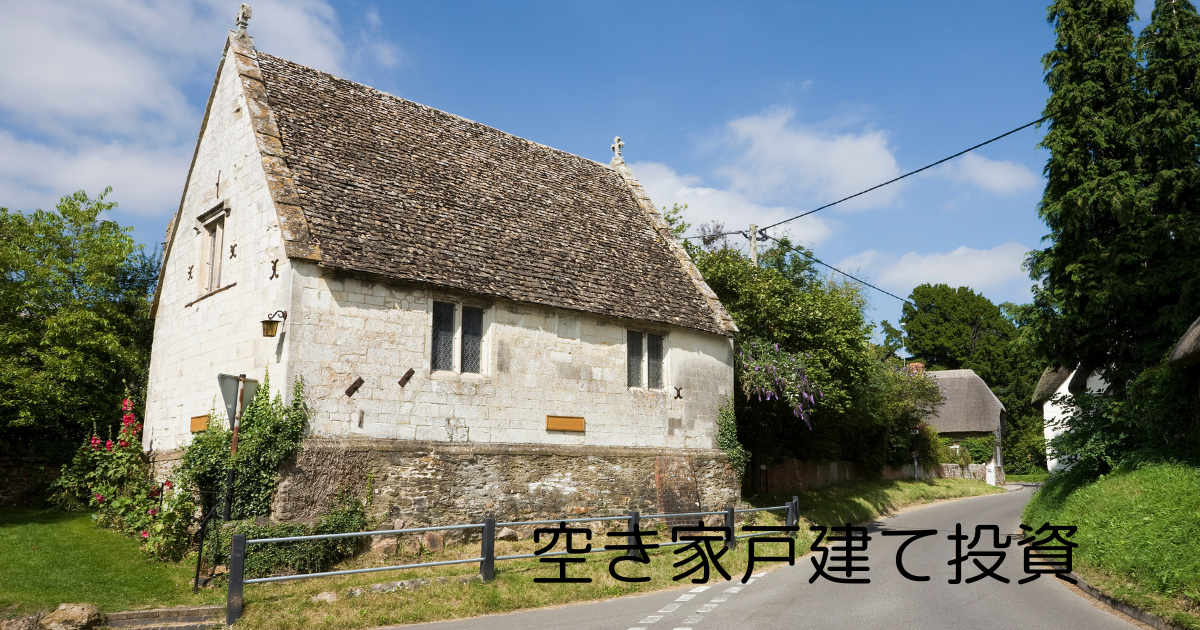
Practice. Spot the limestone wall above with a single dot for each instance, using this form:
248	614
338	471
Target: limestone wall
437	483
195	340
537	361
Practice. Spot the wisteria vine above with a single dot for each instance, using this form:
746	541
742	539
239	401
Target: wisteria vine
768	373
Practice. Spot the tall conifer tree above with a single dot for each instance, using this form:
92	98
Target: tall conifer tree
1090	299
1169	201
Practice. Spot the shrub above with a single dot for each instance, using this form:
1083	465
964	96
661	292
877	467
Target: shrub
309	556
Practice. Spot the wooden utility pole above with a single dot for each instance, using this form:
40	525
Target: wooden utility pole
754	244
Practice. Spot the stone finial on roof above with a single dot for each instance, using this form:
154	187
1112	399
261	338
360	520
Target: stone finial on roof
243	18
616	147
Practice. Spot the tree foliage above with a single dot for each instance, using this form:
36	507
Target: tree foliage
957	328
74	294
1119	280
810	384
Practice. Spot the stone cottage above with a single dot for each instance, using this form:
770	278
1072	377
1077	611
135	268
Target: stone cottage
483	323
970	410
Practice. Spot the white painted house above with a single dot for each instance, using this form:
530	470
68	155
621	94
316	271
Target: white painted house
1058	382
537	297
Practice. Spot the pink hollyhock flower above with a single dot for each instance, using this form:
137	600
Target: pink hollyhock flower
99	498
127	419
108	445
144	534
153	511
167	484
126	404
124	444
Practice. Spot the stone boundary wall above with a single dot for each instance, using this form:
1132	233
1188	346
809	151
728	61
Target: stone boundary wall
794	475
413	483
23	477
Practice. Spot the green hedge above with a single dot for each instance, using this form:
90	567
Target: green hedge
310	556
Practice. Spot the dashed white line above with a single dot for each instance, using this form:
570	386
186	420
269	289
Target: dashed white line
651	619
685	597
694	619
706	608
758	575
718	600
700	589
734	589
669	608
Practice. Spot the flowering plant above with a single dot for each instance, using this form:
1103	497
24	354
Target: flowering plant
768	373
113	478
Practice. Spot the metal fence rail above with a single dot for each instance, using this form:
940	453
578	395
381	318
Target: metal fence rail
487	546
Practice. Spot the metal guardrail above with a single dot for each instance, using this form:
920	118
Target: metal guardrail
487	546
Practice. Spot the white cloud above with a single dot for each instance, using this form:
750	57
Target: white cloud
774	158
980	269
146	181
95	93
1000	177
733	209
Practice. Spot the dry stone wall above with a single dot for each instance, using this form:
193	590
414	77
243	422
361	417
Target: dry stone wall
415	484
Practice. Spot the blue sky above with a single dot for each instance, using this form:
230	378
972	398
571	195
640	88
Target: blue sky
746	112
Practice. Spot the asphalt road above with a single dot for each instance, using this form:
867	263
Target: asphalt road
784	598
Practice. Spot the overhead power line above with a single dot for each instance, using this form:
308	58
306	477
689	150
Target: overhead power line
825	264
933	164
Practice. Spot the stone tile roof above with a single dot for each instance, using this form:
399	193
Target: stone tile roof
970	406
401	190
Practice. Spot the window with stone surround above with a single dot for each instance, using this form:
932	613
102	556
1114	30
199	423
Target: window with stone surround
457	343
644	359
211	231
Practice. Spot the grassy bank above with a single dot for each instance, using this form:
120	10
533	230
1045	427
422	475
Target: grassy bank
71	560
1138	537
49	558
863	501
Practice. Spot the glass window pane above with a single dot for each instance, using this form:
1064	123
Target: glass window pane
443	336
472	339
654	361
633	359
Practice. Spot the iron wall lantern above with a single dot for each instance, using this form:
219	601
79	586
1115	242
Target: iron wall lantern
271	325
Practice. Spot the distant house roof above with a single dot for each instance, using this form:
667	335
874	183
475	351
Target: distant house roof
1051	380
970	406
405	191
1187	350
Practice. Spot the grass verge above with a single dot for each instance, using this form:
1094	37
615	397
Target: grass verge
290	604
1138	536
50	558
71	560
1036	477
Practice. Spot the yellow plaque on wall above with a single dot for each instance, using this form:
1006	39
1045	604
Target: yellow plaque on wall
199	423
564	423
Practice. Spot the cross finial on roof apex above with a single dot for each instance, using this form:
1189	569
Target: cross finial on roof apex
243	18
617	145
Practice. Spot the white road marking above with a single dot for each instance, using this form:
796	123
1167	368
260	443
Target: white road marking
718	600
651	619
683	629
750	581
758	575
700	589
670	608
685	597
734	589
694	619
706	608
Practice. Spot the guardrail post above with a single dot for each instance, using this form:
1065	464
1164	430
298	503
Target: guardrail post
795	511
635	522
487	544
731	541
790	519
237	560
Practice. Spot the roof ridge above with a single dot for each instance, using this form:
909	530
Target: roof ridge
434	109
